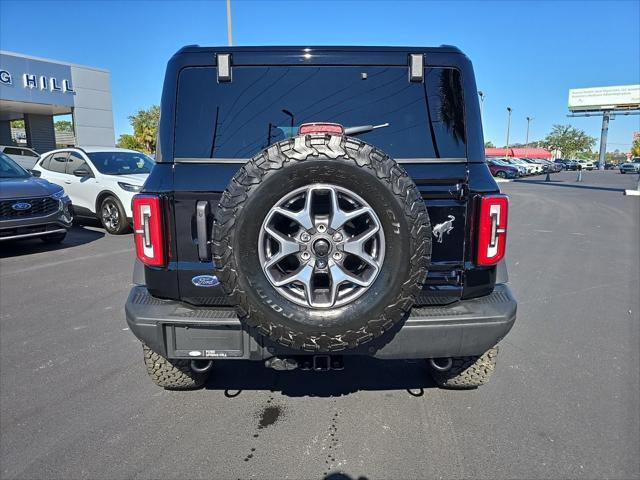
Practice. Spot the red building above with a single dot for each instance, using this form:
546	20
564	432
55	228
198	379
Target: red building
532	152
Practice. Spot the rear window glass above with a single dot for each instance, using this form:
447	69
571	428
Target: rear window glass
264	105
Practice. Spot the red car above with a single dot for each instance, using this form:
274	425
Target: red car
502	170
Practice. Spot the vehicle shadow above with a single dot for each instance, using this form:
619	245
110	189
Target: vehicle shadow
88	222
360	373
77	235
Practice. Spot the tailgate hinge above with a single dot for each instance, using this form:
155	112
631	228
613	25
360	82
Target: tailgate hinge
416	67
223	62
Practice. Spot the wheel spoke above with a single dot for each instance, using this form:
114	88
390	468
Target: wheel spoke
339	217
287	246
302	275
339	275
303	217
355	246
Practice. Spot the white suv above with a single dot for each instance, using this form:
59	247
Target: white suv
23	156
100	181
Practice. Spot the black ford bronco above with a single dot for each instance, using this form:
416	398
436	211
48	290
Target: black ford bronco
313	203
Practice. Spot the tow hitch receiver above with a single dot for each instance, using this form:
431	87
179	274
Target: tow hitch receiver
317	363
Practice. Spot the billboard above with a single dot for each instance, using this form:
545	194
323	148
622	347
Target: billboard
604	98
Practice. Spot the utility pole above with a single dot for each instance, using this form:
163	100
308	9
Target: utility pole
508	128
229	37
603	139
526	148
481	95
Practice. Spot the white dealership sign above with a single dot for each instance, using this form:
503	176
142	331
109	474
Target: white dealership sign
604	98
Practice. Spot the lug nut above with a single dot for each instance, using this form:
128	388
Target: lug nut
337	256
305	255
337	237
321	263
321	228
305	237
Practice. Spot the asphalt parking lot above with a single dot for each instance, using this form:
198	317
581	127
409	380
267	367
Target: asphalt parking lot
75	401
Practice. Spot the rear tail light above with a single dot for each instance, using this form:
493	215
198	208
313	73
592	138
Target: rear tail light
148	230
335	128
492	229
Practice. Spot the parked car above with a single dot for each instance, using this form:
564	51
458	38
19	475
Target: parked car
586	164
23	156
502	170
100	181
529	169
568	164
522	170
537	166
549	166
631	167
560	162
31	207
314	242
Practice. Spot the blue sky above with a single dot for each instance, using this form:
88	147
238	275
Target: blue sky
526	54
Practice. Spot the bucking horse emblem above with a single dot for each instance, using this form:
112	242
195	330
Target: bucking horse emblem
442	228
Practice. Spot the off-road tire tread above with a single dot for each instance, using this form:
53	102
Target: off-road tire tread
468	372
336	148
171	374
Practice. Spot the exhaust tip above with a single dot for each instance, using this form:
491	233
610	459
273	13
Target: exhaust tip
201	366
441	364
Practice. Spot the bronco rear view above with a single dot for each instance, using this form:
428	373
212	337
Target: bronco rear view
313	203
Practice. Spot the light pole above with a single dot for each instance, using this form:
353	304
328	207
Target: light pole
508	128
526	148
291	116
482	95
229	38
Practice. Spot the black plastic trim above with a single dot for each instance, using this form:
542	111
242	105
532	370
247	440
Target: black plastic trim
467	327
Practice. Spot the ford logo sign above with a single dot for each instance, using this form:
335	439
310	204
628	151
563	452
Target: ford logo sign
205	281
21	206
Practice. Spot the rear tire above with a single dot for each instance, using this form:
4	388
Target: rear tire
171	374
467	372
113	216
55	238
501	174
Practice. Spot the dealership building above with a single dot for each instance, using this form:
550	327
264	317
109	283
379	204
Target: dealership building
37	89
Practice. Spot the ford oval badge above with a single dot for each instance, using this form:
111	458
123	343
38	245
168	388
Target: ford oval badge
21	206
205	281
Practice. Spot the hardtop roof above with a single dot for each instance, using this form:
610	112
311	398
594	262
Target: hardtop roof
318	48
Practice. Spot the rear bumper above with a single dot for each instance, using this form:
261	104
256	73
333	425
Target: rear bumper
177	330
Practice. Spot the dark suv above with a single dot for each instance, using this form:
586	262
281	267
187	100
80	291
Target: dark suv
313	203
31	207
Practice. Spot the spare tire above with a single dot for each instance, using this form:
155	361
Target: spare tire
322	242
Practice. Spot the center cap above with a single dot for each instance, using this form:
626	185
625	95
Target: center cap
321	247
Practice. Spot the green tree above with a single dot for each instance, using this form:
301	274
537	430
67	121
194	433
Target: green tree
145	127
569	140
63	126
635	147
489	145
17	123
130	142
